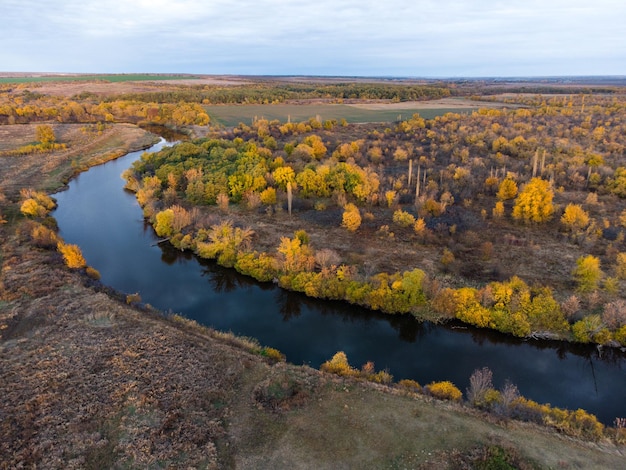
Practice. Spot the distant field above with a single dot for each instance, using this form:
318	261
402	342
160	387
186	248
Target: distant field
83	78
231	115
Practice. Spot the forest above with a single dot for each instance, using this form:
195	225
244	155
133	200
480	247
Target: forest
509	219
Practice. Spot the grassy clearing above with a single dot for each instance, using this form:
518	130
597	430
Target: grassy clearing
85	78
231	115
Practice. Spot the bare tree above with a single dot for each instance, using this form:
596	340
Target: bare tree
480	384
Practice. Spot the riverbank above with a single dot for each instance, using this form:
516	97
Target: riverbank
90	382
87	146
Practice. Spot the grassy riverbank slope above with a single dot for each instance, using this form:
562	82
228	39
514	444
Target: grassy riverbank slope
90	382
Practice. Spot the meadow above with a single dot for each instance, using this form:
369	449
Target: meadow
231	115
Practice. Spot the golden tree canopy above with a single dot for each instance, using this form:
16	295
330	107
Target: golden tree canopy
534	202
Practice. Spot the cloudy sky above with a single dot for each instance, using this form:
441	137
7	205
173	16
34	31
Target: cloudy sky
423	38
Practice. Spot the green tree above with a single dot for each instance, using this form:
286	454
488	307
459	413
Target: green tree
587	273
534	203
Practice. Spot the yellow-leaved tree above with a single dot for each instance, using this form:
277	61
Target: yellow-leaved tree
351	217
575	218
72	255
45	135
534	202
587	273
507	190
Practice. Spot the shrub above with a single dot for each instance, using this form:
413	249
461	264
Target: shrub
591	329
32	208
402	218
391	198
339	365
326	258
273	354
420	226
93	273
43	237
222	201
444	390
133	298
498	210
381	377
262	267
447	258
72	255
433	208
410	385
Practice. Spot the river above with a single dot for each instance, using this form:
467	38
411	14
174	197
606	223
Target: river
96	213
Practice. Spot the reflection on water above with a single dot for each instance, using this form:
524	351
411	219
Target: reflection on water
170	135
106	222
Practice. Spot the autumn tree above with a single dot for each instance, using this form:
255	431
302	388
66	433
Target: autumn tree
284	175
72	255
268	196
575	218
507	190
225	242
587	273
534	203
45	135
36	203
296	255
403	218
498	210
164	225
316	144
351	217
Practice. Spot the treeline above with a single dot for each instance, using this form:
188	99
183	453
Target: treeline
279	93
34	107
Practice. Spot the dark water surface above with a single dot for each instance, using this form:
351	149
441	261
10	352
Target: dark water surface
105	221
